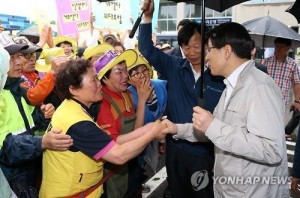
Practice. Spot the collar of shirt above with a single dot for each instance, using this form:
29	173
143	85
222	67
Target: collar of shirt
233	77
231	81
197	75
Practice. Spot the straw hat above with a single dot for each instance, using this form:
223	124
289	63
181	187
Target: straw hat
111	58
95	50
61	39
44	65
141	61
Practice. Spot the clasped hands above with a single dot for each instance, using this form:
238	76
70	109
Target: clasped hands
201	121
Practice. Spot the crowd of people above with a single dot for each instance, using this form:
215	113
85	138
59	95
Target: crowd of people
85	121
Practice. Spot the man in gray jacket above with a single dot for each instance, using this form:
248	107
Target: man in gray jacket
247	126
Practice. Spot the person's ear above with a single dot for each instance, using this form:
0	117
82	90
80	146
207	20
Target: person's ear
227	50
73	91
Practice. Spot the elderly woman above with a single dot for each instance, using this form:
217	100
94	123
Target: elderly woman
118	111
79	170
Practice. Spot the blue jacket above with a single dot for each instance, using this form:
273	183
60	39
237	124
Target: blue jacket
161	94
183	91
150	154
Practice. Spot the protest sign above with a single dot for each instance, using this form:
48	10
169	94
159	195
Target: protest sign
73	16
117	14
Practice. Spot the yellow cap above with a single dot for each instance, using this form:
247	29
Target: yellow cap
141	61
44	65
60	39
96	50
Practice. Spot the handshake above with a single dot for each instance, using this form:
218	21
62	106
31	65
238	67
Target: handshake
194	131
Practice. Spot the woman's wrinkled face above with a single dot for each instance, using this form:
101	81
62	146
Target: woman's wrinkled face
90	92
16	62
118	78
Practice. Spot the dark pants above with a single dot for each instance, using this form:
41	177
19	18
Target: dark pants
293	123
188	175
136	178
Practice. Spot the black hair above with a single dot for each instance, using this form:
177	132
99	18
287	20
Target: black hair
71	75
118	43
233	34
183	22
64	42
187	31
285	41
253	44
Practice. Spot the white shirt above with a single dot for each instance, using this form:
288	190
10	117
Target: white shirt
196	74
231	81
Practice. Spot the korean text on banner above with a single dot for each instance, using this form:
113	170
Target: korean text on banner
112	14
73	16
117	14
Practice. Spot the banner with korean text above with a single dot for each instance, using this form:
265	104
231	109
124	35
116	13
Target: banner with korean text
73	16
117	14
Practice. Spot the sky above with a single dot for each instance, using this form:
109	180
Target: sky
27	7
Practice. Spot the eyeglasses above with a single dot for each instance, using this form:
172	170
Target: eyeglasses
141	74
208	49
29	55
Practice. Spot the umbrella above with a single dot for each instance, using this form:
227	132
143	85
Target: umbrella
31	32
264	30
218	5
295	10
